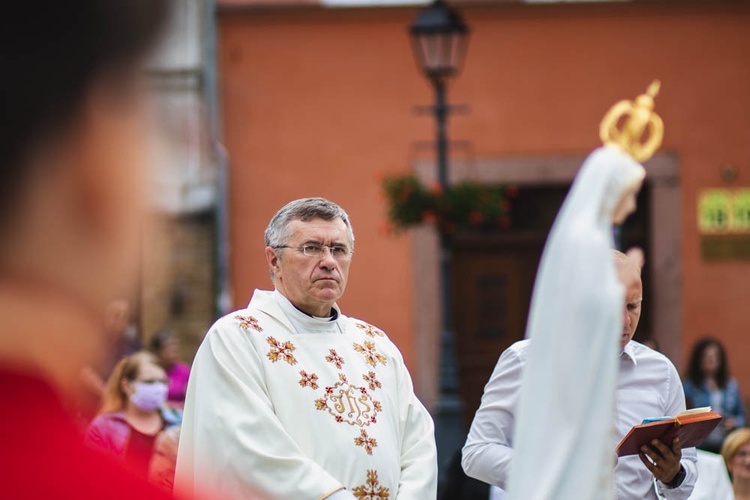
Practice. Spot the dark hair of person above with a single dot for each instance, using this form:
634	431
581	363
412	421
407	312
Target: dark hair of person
52	53
695	374
159	339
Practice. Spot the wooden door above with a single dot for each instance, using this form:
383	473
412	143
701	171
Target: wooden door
491	294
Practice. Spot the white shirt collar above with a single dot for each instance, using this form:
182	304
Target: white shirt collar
629	351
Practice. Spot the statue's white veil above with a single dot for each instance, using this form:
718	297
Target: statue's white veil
564	443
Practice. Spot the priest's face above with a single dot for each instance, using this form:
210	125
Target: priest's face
630	272
312	282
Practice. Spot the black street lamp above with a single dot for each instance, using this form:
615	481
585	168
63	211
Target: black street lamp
439	38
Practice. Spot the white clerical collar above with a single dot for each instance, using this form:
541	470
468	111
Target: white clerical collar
304	323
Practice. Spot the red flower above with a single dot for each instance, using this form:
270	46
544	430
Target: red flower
436	188
512	191
429	216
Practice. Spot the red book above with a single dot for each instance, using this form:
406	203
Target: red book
691	427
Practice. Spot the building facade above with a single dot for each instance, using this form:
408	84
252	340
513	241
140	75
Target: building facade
319	101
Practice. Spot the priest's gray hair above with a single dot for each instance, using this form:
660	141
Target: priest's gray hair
277	233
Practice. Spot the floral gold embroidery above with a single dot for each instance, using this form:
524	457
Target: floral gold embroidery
372	489
247	322
370	330
365	441
310	380
372	356
349	404
281	351
373	382
335	358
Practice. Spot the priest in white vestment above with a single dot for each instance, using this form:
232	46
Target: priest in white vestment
291	399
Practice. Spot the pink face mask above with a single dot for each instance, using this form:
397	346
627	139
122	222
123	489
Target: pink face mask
149	396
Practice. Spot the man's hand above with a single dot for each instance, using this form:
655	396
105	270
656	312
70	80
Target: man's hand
661	460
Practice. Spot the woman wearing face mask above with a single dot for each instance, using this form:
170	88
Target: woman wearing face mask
133	412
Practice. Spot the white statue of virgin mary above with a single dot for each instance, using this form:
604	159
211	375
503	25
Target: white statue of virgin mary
564	438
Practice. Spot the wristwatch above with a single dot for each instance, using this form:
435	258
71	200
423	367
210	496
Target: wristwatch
678	478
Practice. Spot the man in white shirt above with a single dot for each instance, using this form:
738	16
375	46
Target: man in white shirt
290	399
648	385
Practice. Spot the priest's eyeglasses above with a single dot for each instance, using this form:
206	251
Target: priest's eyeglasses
338	252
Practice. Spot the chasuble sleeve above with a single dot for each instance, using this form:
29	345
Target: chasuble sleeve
418	451
232	444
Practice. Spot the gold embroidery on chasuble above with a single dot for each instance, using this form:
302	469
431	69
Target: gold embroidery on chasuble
372	357
365	441
370	330
372	381
335	358
308	380
281	351
372	489
248	322
350	404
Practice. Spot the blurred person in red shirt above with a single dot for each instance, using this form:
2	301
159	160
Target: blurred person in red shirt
73	139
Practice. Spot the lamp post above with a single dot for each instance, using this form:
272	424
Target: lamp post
439	36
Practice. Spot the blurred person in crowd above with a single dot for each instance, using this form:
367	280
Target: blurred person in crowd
73	138
166	346
133	413
164	459
290	398
736	453
708	383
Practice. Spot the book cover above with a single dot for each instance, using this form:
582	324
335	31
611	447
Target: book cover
691	427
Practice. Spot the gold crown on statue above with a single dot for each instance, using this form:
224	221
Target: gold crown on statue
633	126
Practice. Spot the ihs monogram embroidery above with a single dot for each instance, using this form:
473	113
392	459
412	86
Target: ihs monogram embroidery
349	403
370	330
371	490
371	355
310	380
247	322
365	441
335	358
281	351
373	382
